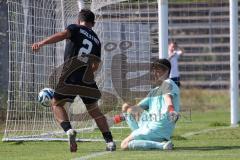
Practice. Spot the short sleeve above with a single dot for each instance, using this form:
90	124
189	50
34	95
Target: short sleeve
73	29
167	88
144	103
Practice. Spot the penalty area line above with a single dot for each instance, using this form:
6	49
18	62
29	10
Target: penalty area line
92	155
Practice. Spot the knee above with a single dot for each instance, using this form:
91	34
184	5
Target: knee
57	107
126	107
94	111
54	107
56	103
92	108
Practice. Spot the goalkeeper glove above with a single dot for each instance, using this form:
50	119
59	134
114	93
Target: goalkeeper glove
174	116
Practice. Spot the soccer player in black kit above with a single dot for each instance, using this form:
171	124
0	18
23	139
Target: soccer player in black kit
82	45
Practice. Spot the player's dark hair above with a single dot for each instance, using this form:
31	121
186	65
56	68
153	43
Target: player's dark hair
86	15
161	63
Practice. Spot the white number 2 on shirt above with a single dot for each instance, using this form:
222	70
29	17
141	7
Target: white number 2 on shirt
86	49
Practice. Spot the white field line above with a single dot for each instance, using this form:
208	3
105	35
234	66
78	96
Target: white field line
96	154
189	134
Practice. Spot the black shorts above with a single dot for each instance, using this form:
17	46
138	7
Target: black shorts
75	84
85	99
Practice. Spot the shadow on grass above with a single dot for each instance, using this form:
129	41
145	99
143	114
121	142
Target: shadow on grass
218	124
18	143
179	138
209	148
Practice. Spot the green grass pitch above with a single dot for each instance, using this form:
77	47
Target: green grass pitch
206	136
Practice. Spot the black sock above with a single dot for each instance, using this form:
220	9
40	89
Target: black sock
107	136
66	125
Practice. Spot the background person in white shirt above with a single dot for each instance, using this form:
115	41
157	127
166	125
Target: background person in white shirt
174	52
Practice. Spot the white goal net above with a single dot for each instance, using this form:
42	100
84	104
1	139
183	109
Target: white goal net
123	26
128	30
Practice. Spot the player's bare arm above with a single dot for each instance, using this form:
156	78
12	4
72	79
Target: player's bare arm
52	39
126	107
168	99
174	116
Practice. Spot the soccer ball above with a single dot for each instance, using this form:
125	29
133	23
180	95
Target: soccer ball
45	96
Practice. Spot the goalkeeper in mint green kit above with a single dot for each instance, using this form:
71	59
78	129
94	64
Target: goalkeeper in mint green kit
160	112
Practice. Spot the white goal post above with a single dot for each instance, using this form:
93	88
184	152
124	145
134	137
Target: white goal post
234	69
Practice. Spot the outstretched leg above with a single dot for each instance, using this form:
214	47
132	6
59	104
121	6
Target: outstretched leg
132	144
146	145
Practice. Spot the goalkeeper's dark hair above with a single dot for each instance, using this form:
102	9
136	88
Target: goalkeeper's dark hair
161	63
86	15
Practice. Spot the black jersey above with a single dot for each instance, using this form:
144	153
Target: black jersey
83	41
